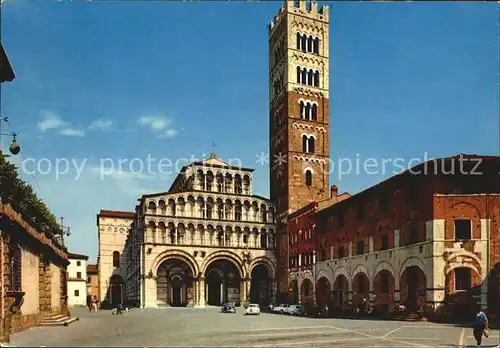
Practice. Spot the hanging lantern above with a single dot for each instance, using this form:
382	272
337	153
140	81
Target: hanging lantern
14	147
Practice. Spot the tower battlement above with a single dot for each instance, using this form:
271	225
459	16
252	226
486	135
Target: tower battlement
304	8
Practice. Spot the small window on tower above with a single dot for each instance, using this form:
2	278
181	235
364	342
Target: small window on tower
308	178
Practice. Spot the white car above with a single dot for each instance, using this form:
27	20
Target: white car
252	309
282	308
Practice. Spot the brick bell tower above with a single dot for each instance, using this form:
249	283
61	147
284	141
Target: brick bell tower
298	114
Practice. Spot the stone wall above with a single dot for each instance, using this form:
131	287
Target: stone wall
30	282
55	287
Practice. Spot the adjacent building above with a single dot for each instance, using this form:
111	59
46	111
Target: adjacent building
33	256
427	239
93	281
77	279
113	229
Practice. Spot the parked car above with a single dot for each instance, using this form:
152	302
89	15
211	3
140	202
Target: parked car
295	310
282	308
252	309
228	308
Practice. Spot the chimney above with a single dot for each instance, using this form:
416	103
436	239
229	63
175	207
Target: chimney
334	190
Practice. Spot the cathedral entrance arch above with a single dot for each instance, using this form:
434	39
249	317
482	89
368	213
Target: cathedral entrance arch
222	283
174	285
116	288
260	285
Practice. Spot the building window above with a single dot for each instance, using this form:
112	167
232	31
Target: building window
322	255
308	144
462	278
463	229
411	195
360	247
384	206
116	259
341	252
384	245
361	213
79	275
309	178
89	279
341	220
413	235
78	263
77	293
384	283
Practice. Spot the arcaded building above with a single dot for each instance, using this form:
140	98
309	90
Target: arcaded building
206	241
427	239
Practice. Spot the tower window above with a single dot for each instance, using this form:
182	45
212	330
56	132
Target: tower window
314	112
308	110
308	178
308	144
303	79
304	43
316	78
310	77
116	259
316	45
462	229
310	41
299	37
299	71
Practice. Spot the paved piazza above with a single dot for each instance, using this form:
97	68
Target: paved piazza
209	327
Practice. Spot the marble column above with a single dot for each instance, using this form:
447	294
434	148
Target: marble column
201	292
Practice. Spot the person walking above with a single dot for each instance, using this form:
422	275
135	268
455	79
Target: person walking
89	302
480	326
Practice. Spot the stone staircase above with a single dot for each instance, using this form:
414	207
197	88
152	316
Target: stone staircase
57	320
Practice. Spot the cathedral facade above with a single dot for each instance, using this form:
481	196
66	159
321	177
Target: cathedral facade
206	241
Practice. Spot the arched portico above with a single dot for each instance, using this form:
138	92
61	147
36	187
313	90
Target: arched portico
413	288
307	291
323	292
174	284
341	291
361	291
222	282
116	290
260	286
293	291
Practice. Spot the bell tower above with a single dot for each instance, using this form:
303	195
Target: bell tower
298	113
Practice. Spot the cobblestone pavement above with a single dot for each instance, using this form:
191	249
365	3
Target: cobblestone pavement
209	327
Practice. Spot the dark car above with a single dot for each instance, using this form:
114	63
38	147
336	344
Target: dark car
228	308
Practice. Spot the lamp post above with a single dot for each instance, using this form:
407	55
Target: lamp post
65	231
14	147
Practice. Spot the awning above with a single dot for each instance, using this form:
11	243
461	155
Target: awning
6	72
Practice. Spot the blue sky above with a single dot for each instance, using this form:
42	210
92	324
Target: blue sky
127	79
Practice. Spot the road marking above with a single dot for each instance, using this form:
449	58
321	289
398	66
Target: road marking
293	333
393	331
352	331
461	340
297	343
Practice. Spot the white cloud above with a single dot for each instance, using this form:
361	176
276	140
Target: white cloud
50	121
169	133
158	125
101	124
71	132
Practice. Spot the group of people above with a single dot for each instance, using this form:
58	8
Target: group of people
92	303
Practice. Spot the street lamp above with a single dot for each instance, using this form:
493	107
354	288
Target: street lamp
14	147
66	231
